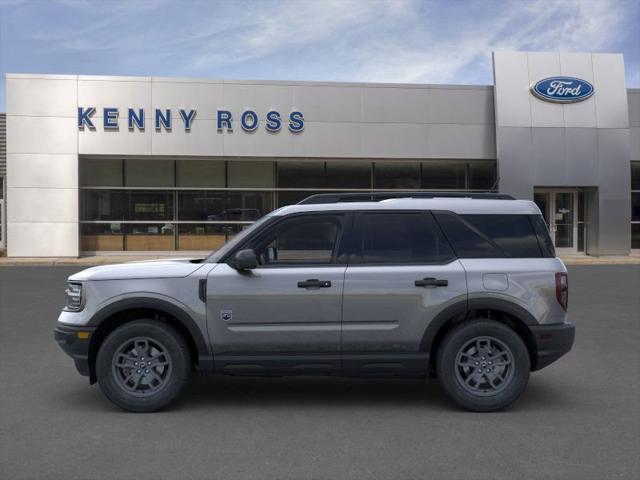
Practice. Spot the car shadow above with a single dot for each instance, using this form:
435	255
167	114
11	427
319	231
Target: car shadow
204	392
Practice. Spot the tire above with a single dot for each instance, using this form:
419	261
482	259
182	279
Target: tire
143	365
483	365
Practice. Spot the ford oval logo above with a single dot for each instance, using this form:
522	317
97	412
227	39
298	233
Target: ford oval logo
562	89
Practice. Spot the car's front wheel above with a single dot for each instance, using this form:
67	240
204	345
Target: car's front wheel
483	365
143	365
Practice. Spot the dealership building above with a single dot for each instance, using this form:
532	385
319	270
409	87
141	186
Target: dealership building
122	165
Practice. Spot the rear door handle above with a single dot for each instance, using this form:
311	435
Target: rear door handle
431	282
314	283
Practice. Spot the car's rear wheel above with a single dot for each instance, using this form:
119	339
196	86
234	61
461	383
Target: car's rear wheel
143	365
483	365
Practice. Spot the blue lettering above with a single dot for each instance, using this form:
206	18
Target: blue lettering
136	120
274	124
225	119
187	118
110	117
296	122
84	117
249	120
163	120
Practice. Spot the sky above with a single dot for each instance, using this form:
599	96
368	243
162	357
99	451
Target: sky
403	41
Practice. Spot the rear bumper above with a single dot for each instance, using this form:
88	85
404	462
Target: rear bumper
552	342
75	345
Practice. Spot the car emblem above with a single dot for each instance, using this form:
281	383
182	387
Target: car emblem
226	315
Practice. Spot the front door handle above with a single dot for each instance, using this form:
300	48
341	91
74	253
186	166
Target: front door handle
314	283
431	282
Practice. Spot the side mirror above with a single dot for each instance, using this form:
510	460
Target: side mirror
245	260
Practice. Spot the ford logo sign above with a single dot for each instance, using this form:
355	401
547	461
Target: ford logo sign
562	89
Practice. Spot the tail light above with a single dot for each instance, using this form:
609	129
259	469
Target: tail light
562	289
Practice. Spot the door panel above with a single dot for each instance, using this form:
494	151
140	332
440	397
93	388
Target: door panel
403	274
384	311
264	311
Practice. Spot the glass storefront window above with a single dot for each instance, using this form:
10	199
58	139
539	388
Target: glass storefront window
101	172
635	175
103	205
291	198
250	174
210	192
200	173
397	175
635	206
95	237
247	206
200	205
635	235
482	176
150	205
149	173
300	174
204	236
155	237
355	174
446	175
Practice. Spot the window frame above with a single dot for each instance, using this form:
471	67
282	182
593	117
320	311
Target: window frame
272	229
355	251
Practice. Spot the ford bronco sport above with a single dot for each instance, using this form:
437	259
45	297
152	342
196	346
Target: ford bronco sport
466	288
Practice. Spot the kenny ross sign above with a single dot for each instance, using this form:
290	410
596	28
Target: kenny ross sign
162	119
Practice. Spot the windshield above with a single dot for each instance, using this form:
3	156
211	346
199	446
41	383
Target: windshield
216	255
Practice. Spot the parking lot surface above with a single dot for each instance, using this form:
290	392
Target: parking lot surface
578	419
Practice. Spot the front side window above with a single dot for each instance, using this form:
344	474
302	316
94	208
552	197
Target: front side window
304	240
401	238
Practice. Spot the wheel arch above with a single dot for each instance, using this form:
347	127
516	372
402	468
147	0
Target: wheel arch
509	313
123	311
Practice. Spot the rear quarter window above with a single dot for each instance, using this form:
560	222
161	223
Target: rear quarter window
492	236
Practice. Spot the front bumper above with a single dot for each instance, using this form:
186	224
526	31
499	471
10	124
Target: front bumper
552	342
75	343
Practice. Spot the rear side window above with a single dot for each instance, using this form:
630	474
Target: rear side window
492	236
401	238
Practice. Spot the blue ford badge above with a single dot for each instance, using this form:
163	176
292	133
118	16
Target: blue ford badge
562	89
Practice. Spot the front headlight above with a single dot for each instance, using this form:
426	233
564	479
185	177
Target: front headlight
74	297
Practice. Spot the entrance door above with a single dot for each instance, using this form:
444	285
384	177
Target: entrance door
559	209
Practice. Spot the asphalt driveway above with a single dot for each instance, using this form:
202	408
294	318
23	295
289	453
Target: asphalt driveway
579	418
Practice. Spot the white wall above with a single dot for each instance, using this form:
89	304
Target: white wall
42	166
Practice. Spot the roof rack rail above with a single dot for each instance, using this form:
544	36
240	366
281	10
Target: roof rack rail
379	196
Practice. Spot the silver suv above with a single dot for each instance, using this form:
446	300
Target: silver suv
467	289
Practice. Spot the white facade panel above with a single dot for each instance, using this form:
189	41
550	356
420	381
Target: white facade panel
120	141
611	97
205	97
42	97
328	103
43	170
511	72
202	139
581	114
461	141
395	105
260	143
259	98
544	114
42	239
461	106
114	93
41	134
327	140
393	139
50	205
